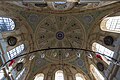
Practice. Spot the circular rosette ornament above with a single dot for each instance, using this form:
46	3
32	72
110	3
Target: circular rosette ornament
11	40
100	66
108	40
19	66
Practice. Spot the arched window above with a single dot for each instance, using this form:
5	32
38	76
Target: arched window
1	74
79	76
6	24
103	50
20	74
96	73
39	76
60	2
59	75
16	51
111	24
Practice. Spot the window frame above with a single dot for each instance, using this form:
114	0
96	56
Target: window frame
39	76
57	76
13	53
20	74
97	75
104	24
103	50
6	24
2	74
80	76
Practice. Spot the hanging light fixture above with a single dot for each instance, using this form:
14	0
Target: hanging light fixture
67	54
89	55
54	53
31	57
78	53
42	55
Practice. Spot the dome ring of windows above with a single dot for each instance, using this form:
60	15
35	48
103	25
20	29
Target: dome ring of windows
108	40
100	66
11	40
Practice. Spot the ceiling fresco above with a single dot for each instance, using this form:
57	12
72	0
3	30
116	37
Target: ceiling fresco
53	29
59	31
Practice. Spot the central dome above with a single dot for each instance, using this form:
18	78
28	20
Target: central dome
60	31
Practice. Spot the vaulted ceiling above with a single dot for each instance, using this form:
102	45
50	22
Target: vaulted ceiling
51	28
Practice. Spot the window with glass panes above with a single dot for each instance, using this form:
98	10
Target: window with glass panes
39	76
79	76
113	23
1	74
59	75
96	73
6	24
101	49
16	51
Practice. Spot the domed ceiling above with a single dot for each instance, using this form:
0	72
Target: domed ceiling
54	29
58	32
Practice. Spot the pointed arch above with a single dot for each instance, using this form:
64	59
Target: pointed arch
39	76
59	75
103	50
6	24
111	24
96	73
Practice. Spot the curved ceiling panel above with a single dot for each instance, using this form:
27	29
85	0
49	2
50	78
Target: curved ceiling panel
59	31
